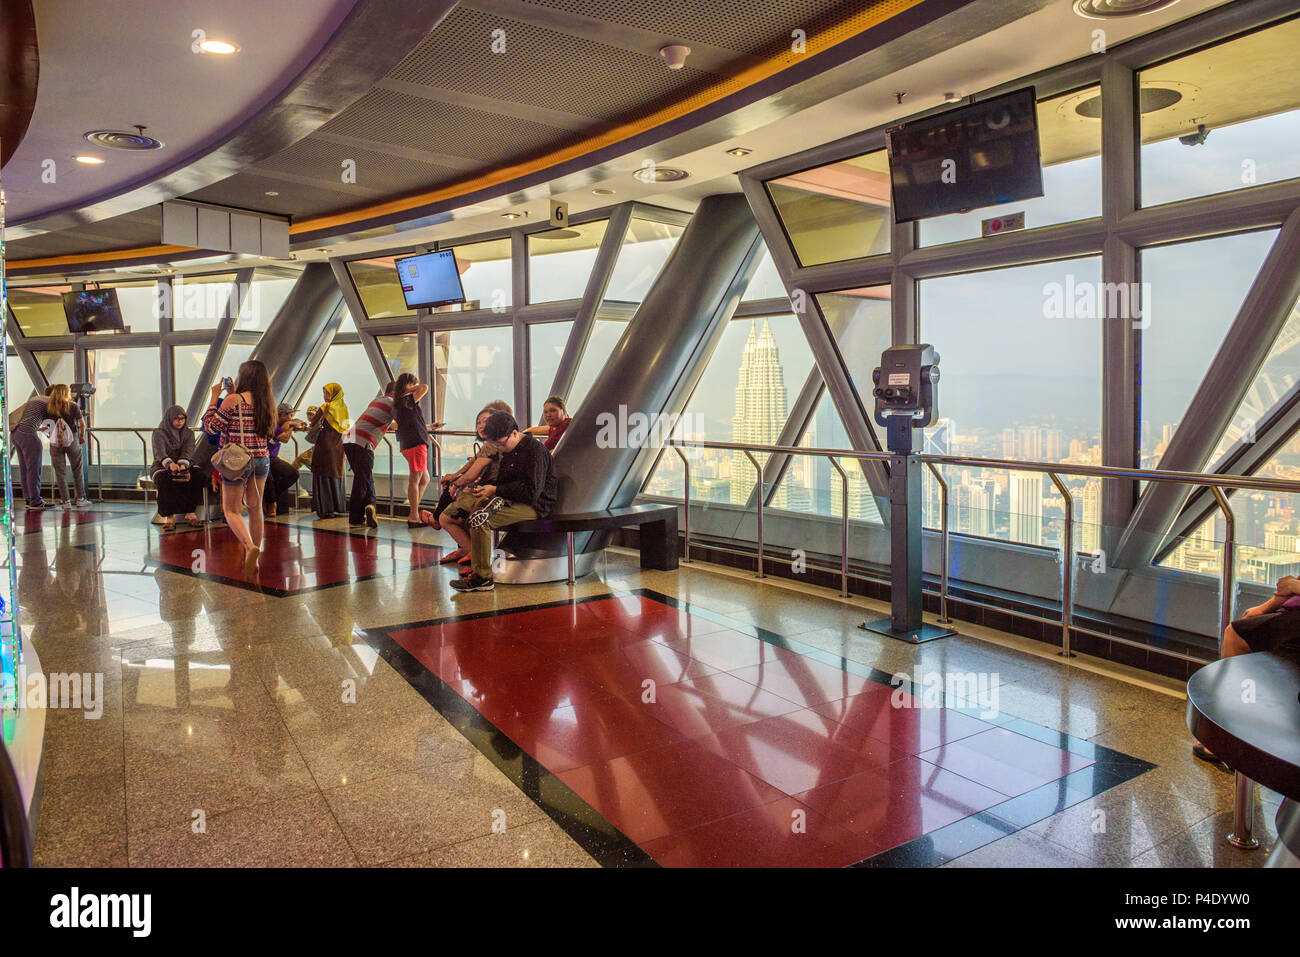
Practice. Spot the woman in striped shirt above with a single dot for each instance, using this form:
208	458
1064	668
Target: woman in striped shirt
30	451
245	416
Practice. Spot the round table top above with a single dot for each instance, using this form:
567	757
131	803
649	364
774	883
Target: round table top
1246	709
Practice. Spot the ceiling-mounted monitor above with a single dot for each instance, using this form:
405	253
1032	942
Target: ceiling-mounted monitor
430	279
984	154
92	310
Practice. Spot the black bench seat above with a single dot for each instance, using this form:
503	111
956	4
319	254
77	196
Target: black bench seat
658	524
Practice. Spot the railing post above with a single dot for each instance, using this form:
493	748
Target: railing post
943	544
1243	804
144	452
389	445
1067	571
686	507
759	469
844	527
99	461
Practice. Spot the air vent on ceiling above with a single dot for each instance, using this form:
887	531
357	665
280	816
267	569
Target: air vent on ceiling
1109	9
123	140
660	174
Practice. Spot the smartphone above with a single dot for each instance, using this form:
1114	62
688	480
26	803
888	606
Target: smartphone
228	384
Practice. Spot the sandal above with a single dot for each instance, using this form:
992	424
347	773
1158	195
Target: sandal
169	525
193	519
452	557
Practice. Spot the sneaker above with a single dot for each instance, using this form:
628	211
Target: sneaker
41	506
65	505
473	583
83	503
452	557
371	521
484	514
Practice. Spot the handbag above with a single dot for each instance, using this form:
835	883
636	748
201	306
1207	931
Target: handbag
314	430
232	461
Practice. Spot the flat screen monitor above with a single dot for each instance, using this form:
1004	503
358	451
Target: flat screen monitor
430	279
92	310
985	154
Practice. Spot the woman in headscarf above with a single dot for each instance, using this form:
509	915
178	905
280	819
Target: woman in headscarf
328	498
173	450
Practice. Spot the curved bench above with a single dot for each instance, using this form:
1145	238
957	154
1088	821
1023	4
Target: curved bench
658	524
1246	709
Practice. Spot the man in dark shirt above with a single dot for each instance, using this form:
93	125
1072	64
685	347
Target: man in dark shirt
525	490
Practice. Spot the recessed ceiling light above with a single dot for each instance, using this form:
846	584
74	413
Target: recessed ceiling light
272	192
738	151
513	215
660	174
1109	9
223	47
123	140
89	160
602	191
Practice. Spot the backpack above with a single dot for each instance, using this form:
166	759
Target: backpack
58	432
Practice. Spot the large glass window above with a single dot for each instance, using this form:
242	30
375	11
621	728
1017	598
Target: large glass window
1020	351
546	341
485	274
18	384
860	322
812	484
139	303
200	302
472	367
263	299
645	250
1195	290
378	287
128	393
39	310
1223	118
766	283
1069	136
605	333
402	353
560	261
838	211
348	366
57	366
743	396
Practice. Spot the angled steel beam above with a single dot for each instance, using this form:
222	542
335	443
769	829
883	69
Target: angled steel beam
217	349
1239	359
585	320
25	356
352	299
1245	457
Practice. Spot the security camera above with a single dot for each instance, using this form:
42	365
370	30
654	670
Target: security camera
1197	138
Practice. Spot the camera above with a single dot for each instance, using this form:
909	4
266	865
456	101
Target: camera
905	394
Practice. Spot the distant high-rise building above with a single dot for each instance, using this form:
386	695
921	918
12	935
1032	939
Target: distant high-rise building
1088	537
938	441
1026	507
973	503
760	410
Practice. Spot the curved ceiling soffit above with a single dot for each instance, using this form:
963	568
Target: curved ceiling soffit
375	36
19	71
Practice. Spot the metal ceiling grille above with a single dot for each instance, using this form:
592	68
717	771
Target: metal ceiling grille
540	67
744	26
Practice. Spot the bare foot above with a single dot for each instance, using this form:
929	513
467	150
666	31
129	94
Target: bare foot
250	561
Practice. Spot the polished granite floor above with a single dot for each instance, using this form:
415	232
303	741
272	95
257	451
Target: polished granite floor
333	713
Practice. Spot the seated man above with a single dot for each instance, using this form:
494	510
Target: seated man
1273	626
524	490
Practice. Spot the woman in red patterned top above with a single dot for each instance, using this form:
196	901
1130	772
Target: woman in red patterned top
247	415
557	420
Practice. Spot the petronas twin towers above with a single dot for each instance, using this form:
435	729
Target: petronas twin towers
760	409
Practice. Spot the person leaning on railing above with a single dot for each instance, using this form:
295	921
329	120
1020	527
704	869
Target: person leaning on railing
1273	626
283	475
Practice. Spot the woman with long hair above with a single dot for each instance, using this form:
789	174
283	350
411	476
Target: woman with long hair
331	422
179	489
246	416
413	440
65	444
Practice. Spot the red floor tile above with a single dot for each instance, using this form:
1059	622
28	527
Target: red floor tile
665	790
625	669
1006	761
798	751
784	833
893	804
589	733
590	636
876	712
653	619
803	680
541	689
712	703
